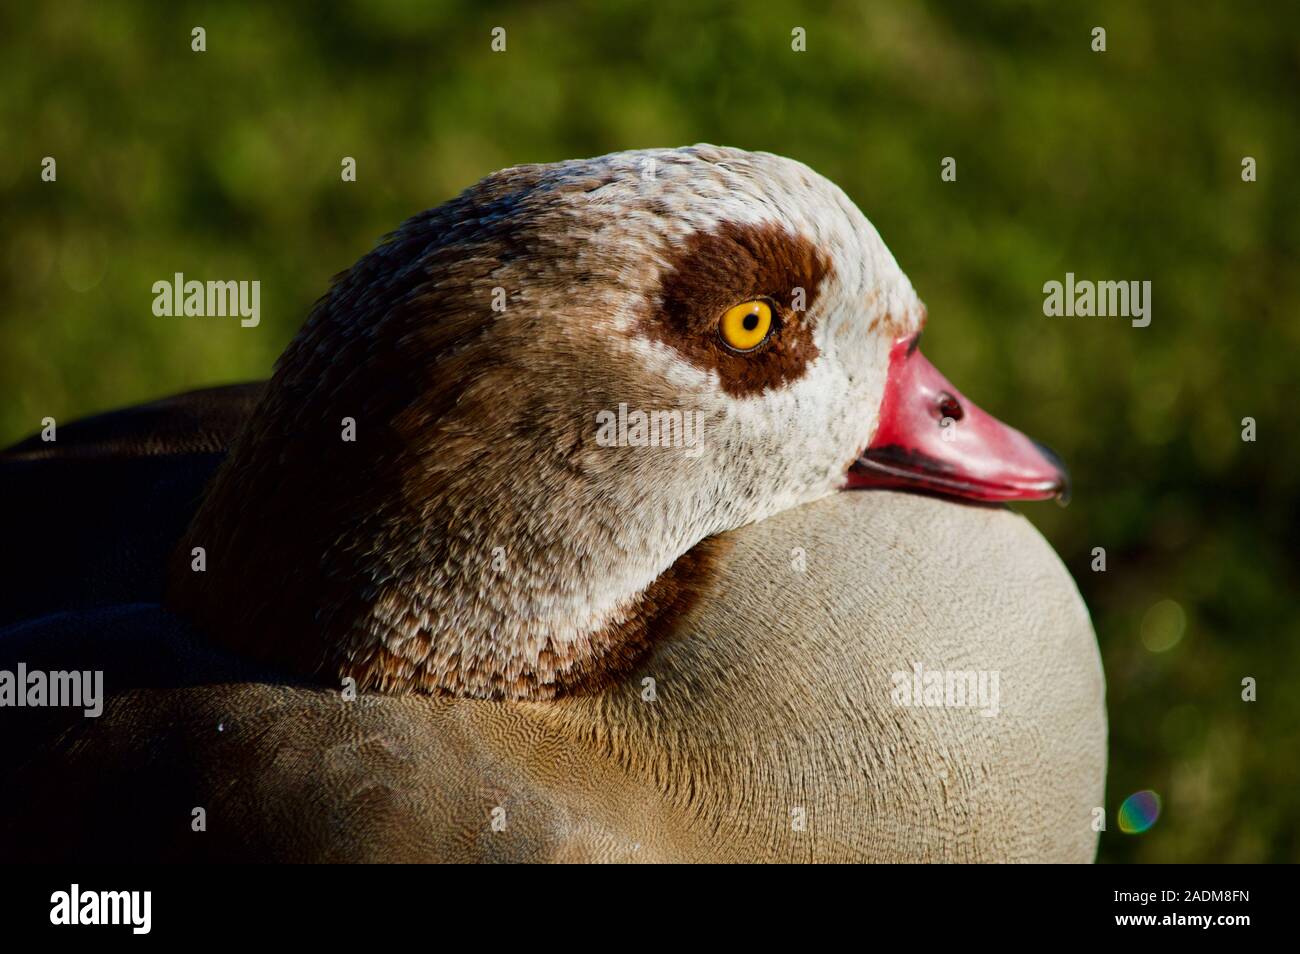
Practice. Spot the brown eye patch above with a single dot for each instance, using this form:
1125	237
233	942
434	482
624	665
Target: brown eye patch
711	272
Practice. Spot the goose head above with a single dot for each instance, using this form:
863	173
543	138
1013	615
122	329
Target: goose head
494	458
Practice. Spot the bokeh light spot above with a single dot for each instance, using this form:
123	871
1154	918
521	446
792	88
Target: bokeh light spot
1163	626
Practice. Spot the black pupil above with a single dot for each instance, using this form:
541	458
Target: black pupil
949	407
751	321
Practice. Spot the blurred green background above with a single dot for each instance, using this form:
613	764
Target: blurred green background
1117	165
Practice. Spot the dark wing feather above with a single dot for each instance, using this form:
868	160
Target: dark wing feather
89	519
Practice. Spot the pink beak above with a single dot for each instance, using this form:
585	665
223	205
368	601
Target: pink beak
931	438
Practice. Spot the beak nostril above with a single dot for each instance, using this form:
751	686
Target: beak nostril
949	406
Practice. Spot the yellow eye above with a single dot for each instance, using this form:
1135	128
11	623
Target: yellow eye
747	325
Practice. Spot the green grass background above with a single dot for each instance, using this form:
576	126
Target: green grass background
1117	165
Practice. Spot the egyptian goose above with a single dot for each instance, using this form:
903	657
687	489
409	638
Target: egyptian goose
565	647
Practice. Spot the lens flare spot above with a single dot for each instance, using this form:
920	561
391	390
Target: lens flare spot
1139	812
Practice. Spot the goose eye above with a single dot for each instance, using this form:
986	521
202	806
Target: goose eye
746	326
